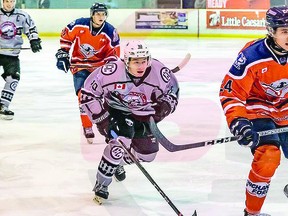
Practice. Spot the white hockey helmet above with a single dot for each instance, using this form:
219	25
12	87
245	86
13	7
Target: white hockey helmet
136	49
2	3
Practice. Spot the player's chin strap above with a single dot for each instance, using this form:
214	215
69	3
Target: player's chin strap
142	169
274	46
173	147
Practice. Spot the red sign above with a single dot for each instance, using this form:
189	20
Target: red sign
238	4
226	19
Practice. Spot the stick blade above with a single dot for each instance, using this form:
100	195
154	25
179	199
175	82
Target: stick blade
182	63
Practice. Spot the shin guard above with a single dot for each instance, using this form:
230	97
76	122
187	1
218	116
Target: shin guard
8	91
86	123
265	162
112	156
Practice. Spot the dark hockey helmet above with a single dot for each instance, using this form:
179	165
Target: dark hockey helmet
97	7
276	17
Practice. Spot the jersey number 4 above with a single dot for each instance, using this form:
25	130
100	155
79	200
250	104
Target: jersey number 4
227	86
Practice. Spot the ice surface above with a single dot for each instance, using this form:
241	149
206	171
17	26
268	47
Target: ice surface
47	169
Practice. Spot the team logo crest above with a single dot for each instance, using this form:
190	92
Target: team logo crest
115	35
8	30
276	90
165	74
241	60
134	99
87	50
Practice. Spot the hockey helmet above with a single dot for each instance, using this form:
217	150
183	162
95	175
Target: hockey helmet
276	17
136	49
98	7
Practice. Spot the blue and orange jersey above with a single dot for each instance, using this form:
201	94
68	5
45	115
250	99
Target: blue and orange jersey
89	46
256	85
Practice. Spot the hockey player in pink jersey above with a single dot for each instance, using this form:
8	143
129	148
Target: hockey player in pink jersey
121	96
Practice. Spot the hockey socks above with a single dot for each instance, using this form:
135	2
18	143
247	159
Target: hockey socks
265	162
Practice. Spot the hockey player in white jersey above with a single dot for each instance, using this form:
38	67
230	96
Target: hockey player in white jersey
121	96
13	23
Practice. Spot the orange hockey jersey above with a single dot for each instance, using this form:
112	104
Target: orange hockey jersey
90	48
256	85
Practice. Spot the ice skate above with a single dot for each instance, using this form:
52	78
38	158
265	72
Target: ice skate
101	193
120	173
89	134
260	214
5	113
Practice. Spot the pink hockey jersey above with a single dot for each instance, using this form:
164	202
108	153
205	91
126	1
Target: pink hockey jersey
112	84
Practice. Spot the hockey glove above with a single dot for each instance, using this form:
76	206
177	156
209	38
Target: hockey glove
35	45
102	122
63	60
242	128
165	105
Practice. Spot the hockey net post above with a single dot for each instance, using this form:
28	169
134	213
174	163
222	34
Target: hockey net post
173	147
147	175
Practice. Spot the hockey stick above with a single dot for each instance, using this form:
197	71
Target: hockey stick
182	63
20	48
172	147
83	65
148	176
174	70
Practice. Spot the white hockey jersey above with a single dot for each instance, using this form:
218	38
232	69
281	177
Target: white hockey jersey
112	85
12	26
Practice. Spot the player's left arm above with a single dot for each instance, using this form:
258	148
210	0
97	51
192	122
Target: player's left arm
31	32
167	102
113	48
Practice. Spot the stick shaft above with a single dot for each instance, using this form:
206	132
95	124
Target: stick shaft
172	147
20	48
147	175
174	70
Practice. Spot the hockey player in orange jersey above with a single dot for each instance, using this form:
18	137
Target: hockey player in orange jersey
254	96
92	42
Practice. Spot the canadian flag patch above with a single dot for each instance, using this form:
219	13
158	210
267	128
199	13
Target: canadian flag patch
119	86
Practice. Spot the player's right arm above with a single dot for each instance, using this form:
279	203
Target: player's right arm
67	38
91	98
234	92
235	89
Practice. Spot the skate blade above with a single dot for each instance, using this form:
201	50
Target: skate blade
98	200
5	117
90	140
